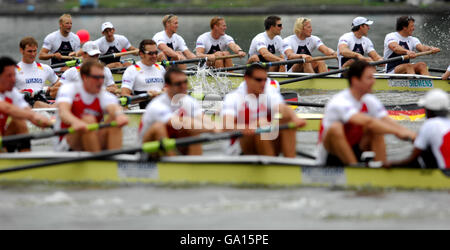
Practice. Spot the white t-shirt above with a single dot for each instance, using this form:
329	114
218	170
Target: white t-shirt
141	77
435	133
33	76
212	45
307	46
361	45
73	75
14	97
341	108
176	42
271	84
162	108
409	43
239	102
54	40
262	40
120	42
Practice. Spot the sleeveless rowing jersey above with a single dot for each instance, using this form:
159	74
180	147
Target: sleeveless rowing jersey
341	108
120	42
247	108
435	134
212	45
33	76
307	46
140	77
409	43
162	108
55	42
14	97
361	45
73	75
83	102
262	40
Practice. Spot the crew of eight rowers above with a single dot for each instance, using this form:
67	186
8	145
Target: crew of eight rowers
355	107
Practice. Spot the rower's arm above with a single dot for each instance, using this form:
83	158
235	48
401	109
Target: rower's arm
327	51
291	55
382	126
422	48
269	56
116	113
131	48
14	111
168	51
189	55
446	75
53	90
200	52
44	54
125	92
405	162
397	49
65	113
374	55
346	52
236	49
113	89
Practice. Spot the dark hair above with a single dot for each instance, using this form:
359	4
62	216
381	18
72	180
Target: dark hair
356	70
28	41
436	113
171	71
356	28
271	21
252	68
403	21
5	62
145	42
87	66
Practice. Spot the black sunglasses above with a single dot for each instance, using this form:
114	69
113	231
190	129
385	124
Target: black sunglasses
97	76
150	52
259	79
280	25
179	83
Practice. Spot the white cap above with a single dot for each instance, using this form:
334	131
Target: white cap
107	25
361	20
435	100
91	48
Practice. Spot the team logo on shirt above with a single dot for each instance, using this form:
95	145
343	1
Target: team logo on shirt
138	68
18	68
154	80
33	80
39	66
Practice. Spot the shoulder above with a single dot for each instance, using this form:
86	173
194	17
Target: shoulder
52	35
75	37
204	35
46	67
100	40
371	99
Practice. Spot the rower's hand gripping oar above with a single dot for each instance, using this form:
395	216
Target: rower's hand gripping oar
19	137
150	147
332	72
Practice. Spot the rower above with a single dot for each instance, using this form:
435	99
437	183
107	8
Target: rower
174	114
255	105
172	46
446	75
60	43
355	121
264	45
86	102
14	110
305	43
356	45
90	52
145	76
111	43
215	43
432	144
31	76
403	43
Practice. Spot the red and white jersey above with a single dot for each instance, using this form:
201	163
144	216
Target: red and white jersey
271	84
340	109
33	76
162	109
83	102
14	97
247	108
141	77
73	75
435	134
262	40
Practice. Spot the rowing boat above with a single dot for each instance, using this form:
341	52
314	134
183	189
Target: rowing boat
384	82
222	170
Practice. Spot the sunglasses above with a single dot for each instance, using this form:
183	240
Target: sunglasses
260	79
151	52
280	25
179	83
101	77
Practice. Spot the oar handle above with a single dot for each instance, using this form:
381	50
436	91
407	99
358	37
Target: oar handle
127	100
227	57
321	58
194	60
69	57
70	63
115	55
91	127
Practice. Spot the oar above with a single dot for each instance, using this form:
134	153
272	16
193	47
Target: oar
71	63
114	55
407	106
149	147
269	64
332	72
19	137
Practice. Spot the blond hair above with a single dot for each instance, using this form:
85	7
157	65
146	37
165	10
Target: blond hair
215	20
63	16
299	23
167	18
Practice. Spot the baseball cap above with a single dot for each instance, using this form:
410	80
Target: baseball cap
91	48
361	20
107	25
435	100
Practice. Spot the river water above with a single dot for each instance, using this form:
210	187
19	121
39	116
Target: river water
211	207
